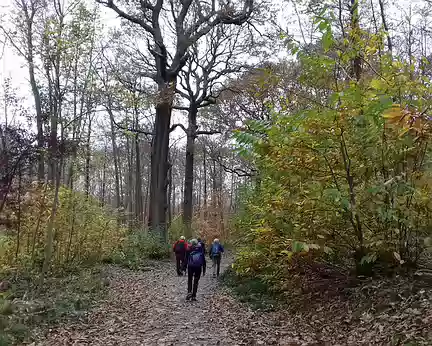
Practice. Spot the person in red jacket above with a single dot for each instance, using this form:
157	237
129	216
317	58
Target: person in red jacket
180	248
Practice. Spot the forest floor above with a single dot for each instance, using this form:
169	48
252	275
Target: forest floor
149	308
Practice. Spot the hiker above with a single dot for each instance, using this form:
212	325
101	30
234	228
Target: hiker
215	253
180	248
203	249
195	265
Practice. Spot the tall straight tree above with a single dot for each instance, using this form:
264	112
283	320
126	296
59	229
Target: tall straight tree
217	58
23	36
188	20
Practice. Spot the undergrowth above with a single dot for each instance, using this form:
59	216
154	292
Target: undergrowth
251	290
27	310
138	247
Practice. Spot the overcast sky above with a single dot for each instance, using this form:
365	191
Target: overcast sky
12	65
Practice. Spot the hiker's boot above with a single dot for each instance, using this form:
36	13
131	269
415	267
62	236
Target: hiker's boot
193	299
189	296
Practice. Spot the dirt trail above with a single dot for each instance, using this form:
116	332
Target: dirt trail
149	308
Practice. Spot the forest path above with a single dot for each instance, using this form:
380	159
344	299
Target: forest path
149	308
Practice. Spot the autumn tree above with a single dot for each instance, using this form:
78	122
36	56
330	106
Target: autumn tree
220	56
188	21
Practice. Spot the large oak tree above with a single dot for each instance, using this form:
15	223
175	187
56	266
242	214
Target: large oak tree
187	21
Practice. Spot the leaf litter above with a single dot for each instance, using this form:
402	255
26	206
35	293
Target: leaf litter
149	308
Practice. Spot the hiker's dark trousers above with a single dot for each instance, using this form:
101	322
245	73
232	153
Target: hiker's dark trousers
180	263
194	275
216	264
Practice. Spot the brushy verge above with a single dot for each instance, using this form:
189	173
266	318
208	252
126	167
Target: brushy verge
250	290
26	311
84	231
86	235
138	247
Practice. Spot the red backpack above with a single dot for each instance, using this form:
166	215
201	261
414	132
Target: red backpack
180	246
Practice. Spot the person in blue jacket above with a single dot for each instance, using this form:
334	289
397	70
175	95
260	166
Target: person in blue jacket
203	249
195	264
215	253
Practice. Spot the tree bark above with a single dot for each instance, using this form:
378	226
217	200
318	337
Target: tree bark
159	161
88	158
115	158
49	245
384	21
189	171
129	187
205	182
103	187
170	194
139	212
355	31
35	90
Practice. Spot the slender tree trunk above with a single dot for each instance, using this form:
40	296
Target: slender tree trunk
50	227
199	187
170	195
104	177
115	158
384	21
57	107
205	181
214	185
189	171
35	92
180	206
88	158
129	188
174	195
18	243
232	192
139	212
147	194
355	31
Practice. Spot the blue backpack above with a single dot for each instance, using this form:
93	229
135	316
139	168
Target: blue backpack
196	258
216	249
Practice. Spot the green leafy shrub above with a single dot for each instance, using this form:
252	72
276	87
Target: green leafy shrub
84	232
24	309
345	181
176	230
138	247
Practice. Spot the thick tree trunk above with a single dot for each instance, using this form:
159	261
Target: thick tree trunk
189	171
159	162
